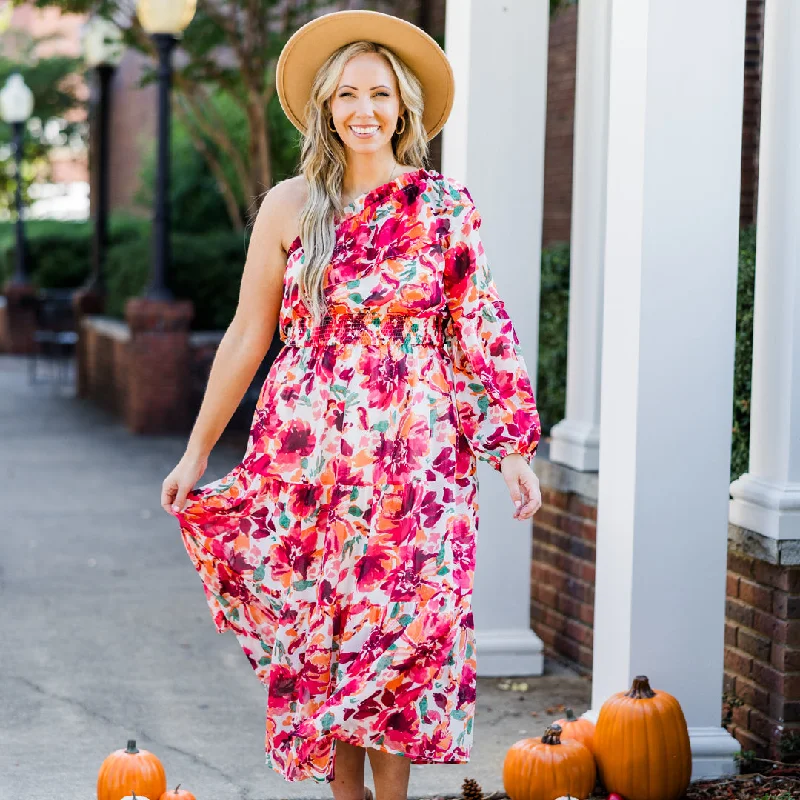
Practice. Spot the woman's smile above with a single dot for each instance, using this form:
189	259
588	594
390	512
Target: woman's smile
364	131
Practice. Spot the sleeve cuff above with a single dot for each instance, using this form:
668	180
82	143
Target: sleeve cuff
496	456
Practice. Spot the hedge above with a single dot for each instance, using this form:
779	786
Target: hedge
58	254
206	269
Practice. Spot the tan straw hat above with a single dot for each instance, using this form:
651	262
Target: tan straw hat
309	47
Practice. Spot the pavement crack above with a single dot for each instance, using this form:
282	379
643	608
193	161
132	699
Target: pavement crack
244	793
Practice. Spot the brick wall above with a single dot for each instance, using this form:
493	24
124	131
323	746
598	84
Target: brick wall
559	128
563	565
105	350
762	645
132	126
105	343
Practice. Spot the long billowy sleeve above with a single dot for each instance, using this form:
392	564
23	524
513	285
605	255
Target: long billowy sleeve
494	397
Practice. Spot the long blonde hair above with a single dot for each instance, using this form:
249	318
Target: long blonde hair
323	162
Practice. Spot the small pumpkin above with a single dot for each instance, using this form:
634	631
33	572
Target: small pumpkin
177	794
542	768
130	772
641	744
580	729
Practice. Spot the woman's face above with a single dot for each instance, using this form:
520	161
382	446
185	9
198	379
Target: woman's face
366	103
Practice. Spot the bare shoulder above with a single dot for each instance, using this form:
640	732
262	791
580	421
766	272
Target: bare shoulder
282	205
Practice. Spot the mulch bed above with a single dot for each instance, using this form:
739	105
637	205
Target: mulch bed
781	782
778	783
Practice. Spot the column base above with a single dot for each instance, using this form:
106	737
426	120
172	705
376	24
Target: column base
576	444
509	652
771	509
713	753
714	750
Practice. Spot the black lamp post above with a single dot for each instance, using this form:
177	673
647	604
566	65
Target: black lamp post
165	21
16	105
103	50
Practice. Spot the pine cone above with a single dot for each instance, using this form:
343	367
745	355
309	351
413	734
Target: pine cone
471	789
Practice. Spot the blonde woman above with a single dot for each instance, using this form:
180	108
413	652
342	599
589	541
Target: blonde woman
341	550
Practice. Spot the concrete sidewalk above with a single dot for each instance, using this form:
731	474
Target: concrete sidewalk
106	635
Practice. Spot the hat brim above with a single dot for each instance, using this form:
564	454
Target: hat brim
309	47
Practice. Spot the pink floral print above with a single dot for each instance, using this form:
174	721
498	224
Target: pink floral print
341	550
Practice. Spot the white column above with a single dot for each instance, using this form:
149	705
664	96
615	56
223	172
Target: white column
675	118
767	498
494	144
575	441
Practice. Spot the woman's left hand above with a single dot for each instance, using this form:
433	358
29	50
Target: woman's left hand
523	485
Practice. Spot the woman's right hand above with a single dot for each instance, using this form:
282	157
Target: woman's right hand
181	481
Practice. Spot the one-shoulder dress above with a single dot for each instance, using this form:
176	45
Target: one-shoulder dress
341	550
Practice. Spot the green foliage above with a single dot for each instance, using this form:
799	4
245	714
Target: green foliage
196	201
196	198
54	88
551	384
789	747
730	701
557	5
228	104
743	364
58	254
206	269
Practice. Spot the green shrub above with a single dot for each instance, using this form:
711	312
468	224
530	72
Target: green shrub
743	365
196	204
205	269
551	384
56	255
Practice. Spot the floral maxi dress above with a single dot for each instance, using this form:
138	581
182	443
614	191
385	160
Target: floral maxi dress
341	550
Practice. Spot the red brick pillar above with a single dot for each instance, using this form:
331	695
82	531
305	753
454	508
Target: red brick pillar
762	645
84	303
19	323
158	365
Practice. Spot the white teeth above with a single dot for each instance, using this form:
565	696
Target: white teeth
364	130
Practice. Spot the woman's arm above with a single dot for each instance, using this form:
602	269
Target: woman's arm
245	343
249	335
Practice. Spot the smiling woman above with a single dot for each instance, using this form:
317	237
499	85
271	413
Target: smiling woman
341	550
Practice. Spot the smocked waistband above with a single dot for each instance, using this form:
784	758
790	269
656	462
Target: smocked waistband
344	328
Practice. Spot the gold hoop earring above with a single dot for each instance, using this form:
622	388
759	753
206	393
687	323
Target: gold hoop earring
398	132
331	129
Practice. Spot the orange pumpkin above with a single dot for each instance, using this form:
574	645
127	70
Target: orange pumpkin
641	744
544	768
131	771
580	729
177	794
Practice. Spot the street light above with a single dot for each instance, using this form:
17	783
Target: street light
102	51
165	21
16	105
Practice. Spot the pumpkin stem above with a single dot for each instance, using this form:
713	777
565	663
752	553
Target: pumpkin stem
570	715
177	787
640	690
552	734
132	748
